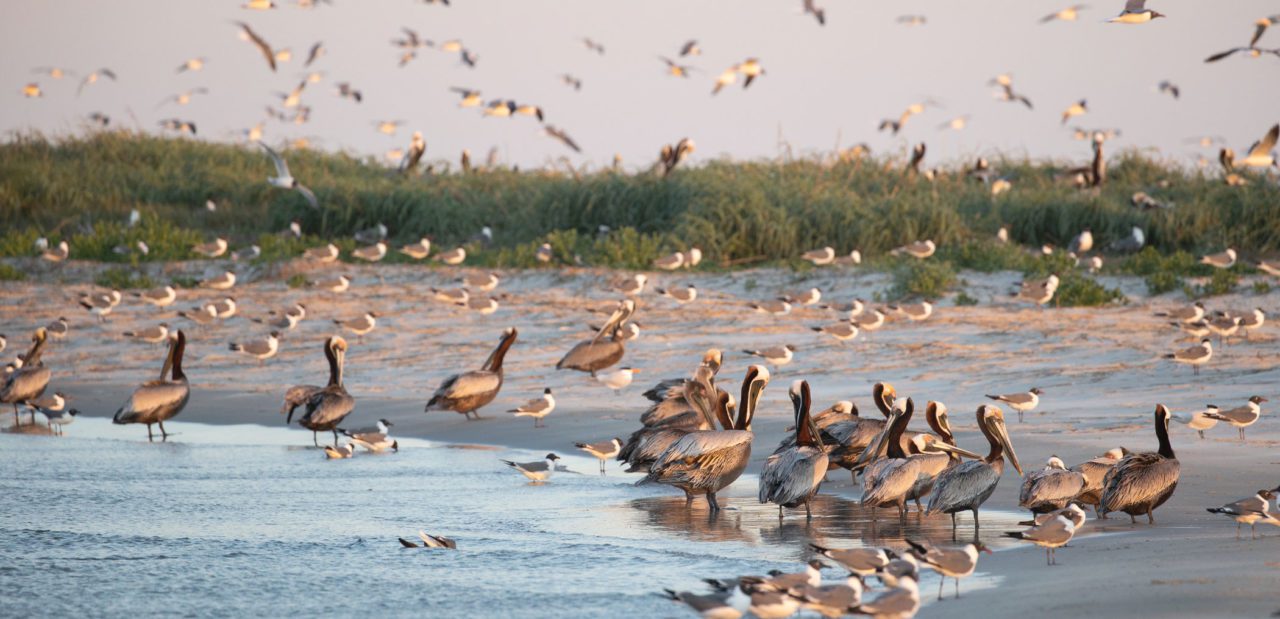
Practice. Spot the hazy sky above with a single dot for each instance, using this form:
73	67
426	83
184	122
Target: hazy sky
822	84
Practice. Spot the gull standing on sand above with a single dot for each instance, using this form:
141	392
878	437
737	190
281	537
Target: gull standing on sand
537	408
617	380
536	471
1202	420
602	451
633	285
1038	291
225	281
777	356
151	335
483	282
954	563
670	262
778	307
1195	356
337	284
820	257
1241	417
284	179
57	254
262	349
100	304
1021	402
877	321
915	312
225	308
918	249
1135	12
453	257
371	253
1221	260
809	297
679	295
1250	511
159	297
1185	314
1050	535
842	331
1141	482
212	249
158	400
419	250
860	561
361	325
328	253
467	392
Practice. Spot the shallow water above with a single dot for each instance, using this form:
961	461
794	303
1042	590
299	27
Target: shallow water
235	520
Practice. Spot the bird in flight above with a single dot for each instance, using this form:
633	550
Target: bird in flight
284	180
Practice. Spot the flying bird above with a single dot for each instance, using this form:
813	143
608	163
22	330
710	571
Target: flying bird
819	13
316	52
563	137
284	179
1169	88
593	46
1135	12
690	48
249	35
93	78
1068	14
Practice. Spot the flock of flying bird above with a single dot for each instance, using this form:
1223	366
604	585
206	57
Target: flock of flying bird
290	107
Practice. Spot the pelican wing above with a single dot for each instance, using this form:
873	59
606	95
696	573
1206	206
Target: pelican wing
1050	486
792	475
468	384
297	396
962	486
328	407
698	458
589	354
151	398
26	383
893	480
645	446
1139	479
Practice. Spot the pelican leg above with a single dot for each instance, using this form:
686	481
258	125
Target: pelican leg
957	587
711	501
808	512
688	500
779	514
149	437
335	437
314	441
17	420
1151	518
164	436
976	525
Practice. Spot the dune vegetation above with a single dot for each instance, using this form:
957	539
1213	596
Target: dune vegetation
82	189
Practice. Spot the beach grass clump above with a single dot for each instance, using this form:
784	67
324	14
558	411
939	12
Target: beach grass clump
1261	287
923	279
1076	289
117	278
1223	281
1163	282
963	299
10	273
740	213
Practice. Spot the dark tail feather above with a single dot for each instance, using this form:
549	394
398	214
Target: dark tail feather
1169	356
917	547
406	543
1014	535
580	445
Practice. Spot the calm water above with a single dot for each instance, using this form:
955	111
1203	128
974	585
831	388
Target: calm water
236	520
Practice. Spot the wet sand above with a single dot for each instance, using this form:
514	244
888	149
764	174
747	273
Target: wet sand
1100	368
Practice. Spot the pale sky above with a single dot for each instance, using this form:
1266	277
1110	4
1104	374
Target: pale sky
822	84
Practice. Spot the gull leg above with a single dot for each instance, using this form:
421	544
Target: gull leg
941	581
314	441
957	587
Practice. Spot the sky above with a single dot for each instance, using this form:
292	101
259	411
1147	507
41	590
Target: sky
824	86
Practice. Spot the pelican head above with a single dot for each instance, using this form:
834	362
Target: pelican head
753	385
884	396
713	359
993	420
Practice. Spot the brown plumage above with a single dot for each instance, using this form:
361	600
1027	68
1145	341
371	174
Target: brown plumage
161	399
466	393
1141	482
28	382
327	407
596	353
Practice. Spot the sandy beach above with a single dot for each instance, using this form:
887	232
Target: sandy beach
1101	370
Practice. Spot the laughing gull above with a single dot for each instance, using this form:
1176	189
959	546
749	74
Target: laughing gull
842	331
453	257
1260	153
328	253
261	350
1197	329
1241	417
918	249
1021	402
59	420
1135	12
224	281
875	322
632	286
954	563
902	601
809	297
247	34
536	408
1068	14
1202	420
1250	511
361	325
212	249
284	179
338	453
820	257
1195	356
778	356
337	284
484	282
1185	314
419	250
371	253
602	451
1221	260
1050	535
1079	108
151	335
777	307
679	295
536	471
617	380
915	312
861	561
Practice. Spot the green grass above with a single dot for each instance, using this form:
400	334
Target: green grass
81	189
123	279
10	273
925	279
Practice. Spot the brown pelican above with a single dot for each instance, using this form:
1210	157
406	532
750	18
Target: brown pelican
327	407
1050	488
704	462
969	485
597	353
1250	511
29	381
850	438
936	453
793	475
161	399
954	563
465	393
1094	471
674	414
893	479
1141	482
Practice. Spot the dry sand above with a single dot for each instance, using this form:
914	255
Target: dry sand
1100	369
